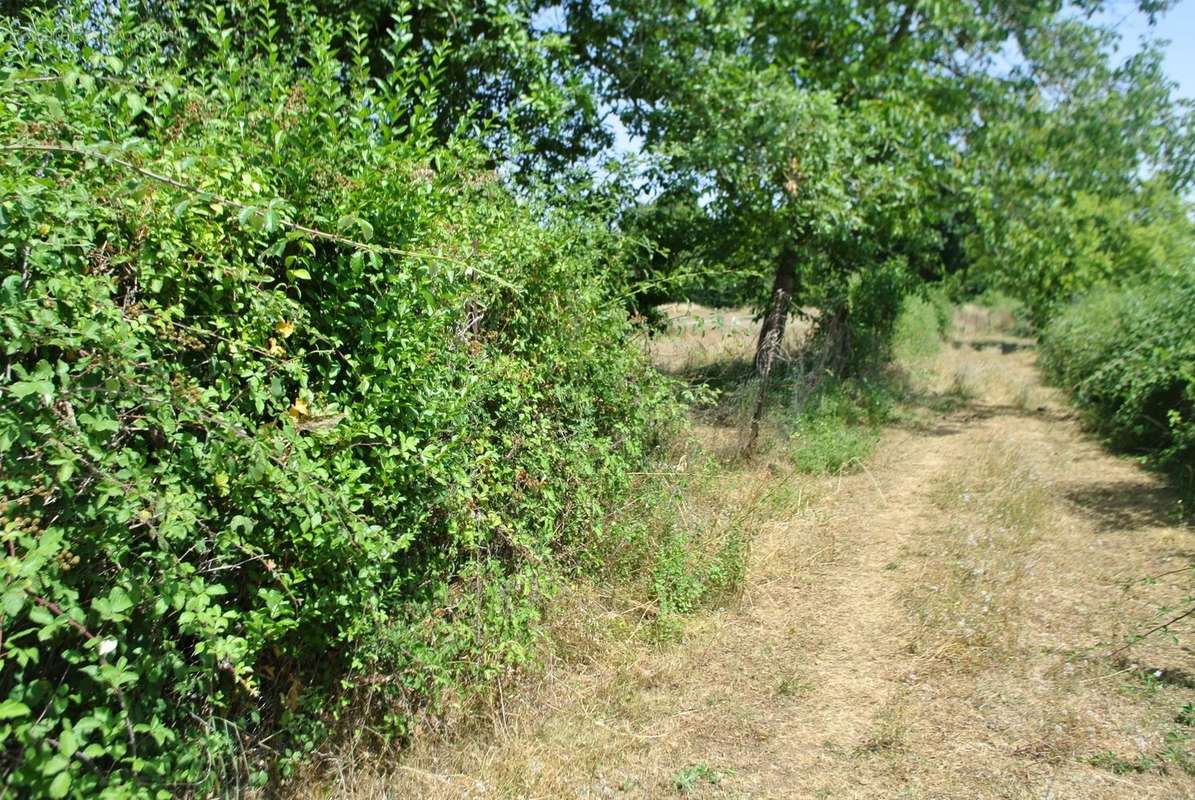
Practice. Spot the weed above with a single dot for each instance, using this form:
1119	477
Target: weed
889	730
1106	759
918	331
687	779
793	686
840	428
1178	752
830	445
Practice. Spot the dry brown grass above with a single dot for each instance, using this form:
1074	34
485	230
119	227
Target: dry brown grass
969	592
697	337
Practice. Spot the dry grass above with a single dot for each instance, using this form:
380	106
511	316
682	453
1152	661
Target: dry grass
969	593
714	348
697	337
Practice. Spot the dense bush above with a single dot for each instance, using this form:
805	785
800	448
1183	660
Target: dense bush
1128	355
297	405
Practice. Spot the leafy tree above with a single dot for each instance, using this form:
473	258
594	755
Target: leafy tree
513	81
873	105
1081	166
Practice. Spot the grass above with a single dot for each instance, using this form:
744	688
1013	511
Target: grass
687	779
691	522
827	441
919	329
889	728
1176	754
793	686
839	425
969	596
843	625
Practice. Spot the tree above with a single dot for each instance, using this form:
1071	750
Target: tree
1084	165
499	75
832	140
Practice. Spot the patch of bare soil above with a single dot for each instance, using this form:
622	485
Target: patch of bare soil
934	626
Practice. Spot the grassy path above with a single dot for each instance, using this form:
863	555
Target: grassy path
932	626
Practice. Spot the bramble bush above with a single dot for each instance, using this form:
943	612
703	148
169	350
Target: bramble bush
298	405
1128	355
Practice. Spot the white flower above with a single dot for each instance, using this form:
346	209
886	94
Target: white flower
107	646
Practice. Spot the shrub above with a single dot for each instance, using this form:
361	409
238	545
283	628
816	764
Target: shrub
297	405
837	430
919	328
1128	355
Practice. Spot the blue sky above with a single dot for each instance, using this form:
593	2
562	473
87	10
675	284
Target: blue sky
1178	26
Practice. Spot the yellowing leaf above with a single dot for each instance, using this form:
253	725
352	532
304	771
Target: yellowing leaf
299	409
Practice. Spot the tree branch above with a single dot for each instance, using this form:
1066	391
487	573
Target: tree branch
1152	631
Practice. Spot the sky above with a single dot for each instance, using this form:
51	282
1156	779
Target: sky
1178	26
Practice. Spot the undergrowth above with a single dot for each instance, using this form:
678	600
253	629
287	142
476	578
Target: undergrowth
836	426
1126	355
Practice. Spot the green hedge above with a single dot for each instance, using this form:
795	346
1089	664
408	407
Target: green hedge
299	410
1128	355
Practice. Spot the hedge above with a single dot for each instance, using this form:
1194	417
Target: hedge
299	406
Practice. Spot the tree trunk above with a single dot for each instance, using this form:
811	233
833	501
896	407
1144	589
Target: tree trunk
771	333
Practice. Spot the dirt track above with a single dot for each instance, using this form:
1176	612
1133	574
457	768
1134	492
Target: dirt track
934	625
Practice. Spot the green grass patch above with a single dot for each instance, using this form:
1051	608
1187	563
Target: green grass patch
687	779
918	332
838	430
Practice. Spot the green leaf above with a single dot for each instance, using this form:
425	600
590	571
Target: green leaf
99	424
60	785
55	764
14	601
40	615
54	108
119	600
26	388
11	709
